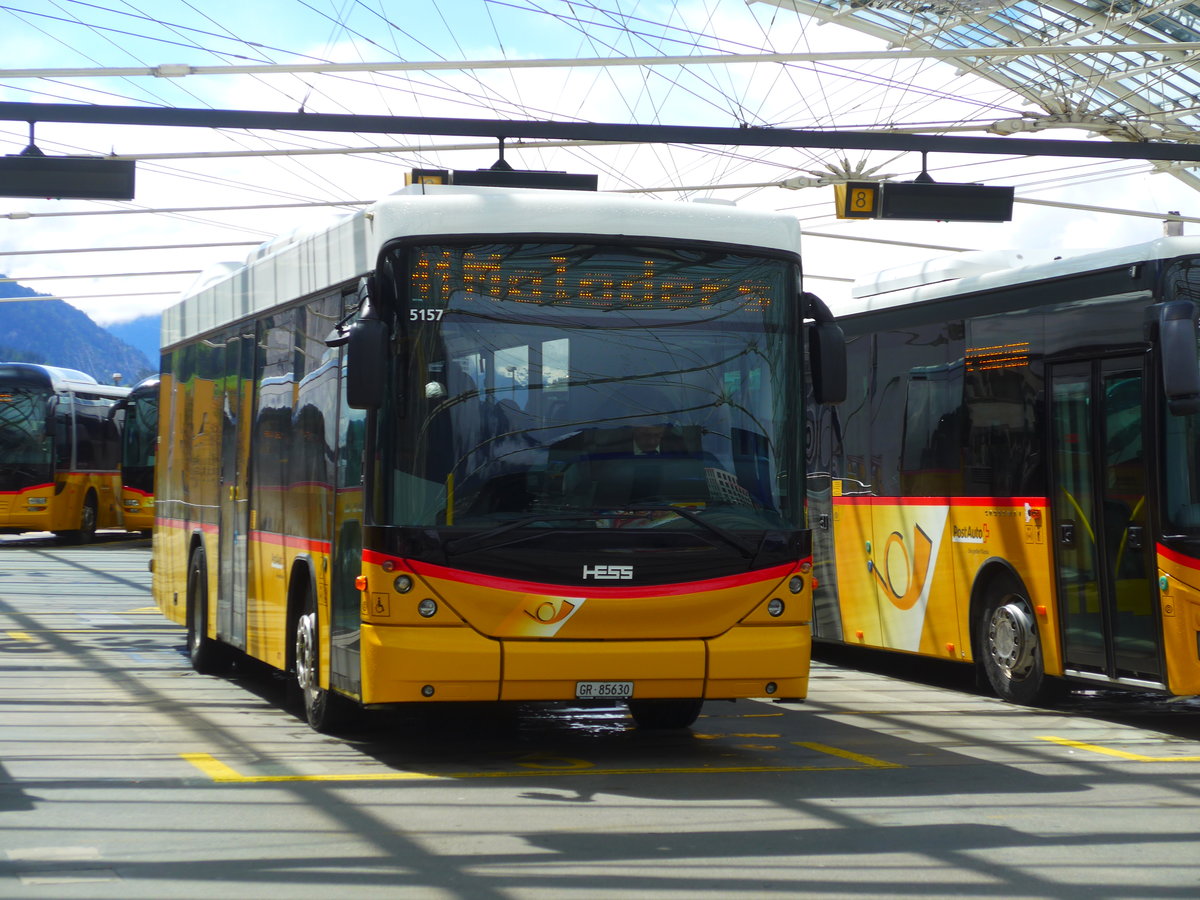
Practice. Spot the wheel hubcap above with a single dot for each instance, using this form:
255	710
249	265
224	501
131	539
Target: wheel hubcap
1012	640
306	655
196	632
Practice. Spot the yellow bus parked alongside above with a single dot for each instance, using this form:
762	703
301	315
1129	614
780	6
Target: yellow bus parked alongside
511	443
138	415
59	452
1014	478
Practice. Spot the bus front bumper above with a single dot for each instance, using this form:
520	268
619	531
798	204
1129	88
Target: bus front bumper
423	664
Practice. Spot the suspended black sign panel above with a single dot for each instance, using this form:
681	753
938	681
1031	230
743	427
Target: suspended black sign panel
66	177
946	202
924	200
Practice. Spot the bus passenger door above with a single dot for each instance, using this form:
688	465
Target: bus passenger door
1102	542
235	494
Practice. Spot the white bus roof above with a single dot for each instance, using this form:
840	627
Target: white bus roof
63	379
298	264
968	273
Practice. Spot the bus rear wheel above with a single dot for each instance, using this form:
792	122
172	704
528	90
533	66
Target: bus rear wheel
326	711
1009	647
664	714
208	657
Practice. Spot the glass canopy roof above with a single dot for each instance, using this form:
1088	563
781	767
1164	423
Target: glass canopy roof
1115	69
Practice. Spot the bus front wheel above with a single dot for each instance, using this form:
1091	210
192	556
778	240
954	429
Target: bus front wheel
325	711
88	517
1009	648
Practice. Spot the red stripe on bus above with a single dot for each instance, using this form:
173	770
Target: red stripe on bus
1178	558
862	500
34	487
431	570
164	522
290	542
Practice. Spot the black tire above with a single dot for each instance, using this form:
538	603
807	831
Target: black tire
325	711
208	657
664	714
88	516
1010	648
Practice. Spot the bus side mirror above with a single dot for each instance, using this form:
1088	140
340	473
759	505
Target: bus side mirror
366	363
827	362
1174	324
48	423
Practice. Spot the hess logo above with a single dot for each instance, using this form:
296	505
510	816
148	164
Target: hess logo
608	573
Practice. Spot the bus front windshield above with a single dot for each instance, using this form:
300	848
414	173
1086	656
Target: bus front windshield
1181	434
26	447
583	386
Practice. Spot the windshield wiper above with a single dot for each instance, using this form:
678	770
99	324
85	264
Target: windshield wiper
684	513
476	541
470	542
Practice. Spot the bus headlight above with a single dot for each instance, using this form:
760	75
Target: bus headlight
796	584
775	607
427	608
403	584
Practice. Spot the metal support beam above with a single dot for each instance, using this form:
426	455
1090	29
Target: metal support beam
182	70
558	130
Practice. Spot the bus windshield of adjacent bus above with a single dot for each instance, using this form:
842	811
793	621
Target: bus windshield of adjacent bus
26	444
1181	450
139	444
58	452
596	387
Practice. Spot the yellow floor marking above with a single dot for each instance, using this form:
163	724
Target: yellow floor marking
542	761
131	629
222	773
846	754
218	771
857	712
1120	754
20	636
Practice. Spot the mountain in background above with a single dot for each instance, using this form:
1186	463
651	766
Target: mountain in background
144	333
54	333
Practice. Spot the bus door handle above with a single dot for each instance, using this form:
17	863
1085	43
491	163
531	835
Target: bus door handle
1134	537
1066	534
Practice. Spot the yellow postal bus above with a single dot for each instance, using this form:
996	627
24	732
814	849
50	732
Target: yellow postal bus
59	452
497	443
1014	478
138	415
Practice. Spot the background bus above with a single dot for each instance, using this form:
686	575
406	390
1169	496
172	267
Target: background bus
550	451
138	417
59	452
1014	479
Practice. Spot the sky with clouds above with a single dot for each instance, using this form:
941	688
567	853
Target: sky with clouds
235	188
